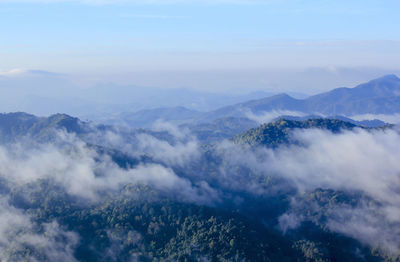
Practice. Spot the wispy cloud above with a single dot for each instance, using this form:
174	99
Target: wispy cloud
269	116
13	72
18	72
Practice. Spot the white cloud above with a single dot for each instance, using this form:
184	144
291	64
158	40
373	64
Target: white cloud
18	234
358	161
86	174
13	72
266	117
352	161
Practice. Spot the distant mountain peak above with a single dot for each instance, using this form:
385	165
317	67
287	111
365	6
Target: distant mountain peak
390	77
17	114
60	116
280	97
283	95
387	82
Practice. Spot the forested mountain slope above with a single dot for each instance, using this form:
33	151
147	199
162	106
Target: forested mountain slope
147	196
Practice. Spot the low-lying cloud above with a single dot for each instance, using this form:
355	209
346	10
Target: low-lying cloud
18	233
85	173
358	161
269	116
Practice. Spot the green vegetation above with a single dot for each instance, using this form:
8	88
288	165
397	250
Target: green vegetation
142	222
279	132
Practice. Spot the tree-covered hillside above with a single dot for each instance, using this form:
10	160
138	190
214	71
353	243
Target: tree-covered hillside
279	132
99	194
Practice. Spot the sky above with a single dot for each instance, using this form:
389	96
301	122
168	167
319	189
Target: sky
229	43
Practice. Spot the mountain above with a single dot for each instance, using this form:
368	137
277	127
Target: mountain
148	207
45	93
17	125
147	118
219	129
379	96
364	123
278	132
277	102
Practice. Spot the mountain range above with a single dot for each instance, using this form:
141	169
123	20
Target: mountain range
378	96
142	219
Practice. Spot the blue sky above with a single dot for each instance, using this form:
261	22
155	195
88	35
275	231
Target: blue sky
118	37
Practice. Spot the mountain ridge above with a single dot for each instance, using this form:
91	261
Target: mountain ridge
278	132
378	96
